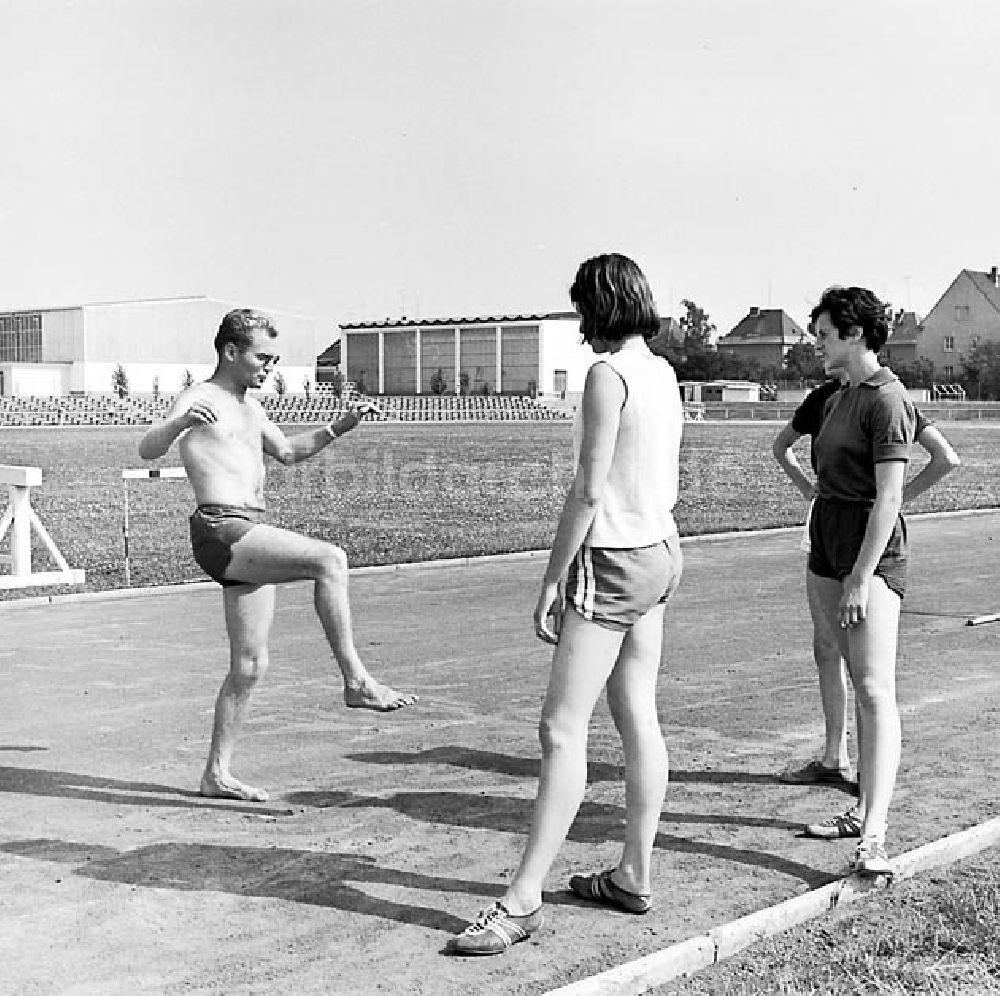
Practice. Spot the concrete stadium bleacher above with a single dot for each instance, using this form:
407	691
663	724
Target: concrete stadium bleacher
318	407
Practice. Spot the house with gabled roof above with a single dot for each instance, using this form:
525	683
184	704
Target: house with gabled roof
764	335
901	346
966	314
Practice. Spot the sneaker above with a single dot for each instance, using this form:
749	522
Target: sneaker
495	930
836	827
870	858
817	773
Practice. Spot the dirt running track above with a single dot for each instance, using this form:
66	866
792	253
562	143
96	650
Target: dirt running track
384	833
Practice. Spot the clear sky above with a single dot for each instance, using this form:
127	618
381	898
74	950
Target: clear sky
365	159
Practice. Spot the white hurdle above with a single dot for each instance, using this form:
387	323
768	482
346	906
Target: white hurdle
142	474
19	519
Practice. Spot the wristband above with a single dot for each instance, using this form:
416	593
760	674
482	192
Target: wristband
330	431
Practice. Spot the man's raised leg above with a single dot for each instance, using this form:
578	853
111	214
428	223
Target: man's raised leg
270	555
249	611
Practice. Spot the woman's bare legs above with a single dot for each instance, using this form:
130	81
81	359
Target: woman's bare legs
581	664
632	699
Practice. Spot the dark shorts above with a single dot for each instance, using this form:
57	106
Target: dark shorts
616	588
214	531
836	532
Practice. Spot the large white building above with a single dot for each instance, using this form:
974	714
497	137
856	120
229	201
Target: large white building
72	350
508	354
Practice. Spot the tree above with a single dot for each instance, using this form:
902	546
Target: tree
919	373
802	363
438	383
982	372
697	327
280	387
119	381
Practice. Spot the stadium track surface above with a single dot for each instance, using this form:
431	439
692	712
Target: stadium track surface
384	833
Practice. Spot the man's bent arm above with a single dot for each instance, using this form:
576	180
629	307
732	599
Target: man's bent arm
293	449
160	437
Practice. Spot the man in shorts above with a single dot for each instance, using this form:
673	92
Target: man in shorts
224	434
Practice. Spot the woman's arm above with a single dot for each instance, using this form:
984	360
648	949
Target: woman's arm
889	476
603	397
785	455
942	462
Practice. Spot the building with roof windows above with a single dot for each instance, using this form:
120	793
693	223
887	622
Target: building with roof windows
503	354
966	315
764	335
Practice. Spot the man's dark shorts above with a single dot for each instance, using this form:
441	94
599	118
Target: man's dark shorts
836	532
214	531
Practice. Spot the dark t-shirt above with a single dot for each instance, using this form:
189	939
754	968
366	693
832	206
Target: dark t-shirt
862	426
808	417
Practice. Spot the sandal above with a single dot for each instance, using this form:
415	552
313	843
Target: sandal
817	773
600	889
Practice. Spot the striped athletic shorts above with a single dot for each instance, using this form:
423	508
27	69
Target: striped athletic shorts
616	588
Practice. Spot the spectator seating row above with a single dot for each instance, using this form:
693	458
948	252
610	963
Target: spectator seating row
318	407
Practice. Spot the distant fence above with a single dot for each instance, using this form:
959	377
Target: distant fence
782	411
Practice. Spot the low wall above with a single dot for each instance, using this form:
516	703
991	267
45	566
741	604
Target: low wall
782	411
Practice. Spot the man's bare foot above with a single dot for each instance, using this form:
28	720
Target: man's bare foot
230	788
372	695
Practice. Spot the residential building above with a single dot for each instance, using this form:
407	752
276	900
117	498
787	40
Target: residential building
966	314
901	347
764	335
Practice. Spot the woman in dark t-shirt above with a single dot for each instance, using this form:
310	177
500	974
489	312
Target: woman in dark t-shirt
857	540
834	765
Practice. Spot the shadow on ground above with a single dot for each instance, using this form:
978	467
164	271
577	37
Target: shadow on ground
311	877
529	767
595	823
92	788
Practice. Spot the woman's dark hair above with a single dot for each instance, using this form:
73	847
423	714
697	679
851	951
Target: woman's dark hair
614	299
855	307
239	326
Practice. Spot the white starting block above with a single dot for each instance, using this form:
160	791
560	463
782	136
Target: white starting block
19	519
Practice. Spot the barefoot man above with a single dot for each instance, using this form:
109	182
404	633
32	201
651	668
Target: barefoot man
224	434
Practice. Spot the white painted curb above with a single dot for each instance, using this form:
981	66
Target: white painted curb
696	953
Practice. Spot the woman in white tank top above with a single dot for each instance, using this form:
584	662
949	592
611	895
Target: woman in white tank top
614	563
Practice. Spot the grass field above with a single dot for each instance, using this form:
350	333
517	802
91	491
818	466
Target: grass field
936	933
395	493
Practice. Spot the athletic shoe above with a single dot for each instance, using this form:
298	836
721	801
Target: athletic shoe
843	825
870	858
495	930
817	773
600	889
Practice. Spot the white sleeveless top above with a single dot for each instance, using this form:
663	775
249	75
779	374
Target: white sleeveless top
636	506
